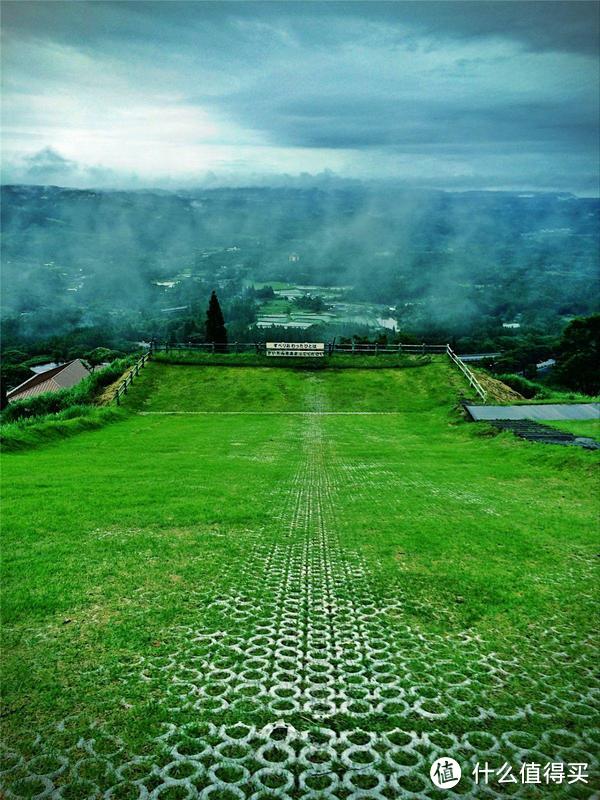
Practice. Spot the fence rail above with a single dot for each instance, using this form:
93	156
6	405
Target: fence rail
466	372
123	387
413	349
331	347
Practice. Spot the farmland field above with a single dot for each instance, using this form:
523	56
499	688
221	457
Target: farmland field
242	590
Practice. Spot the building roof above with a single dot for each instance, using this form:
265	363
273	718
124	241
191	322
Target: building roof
550	362
61	377
45	367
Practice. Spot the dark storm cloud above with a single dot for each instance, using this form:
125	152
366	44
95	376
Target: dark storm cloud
357	87
571	26
367	122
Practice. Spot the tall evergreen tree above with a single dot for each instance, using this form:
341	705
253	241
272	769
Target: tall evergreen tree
215	323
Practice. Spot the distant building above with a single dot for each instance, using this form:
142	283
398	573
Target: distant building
544	366
480	356
64	376
511	325
44	367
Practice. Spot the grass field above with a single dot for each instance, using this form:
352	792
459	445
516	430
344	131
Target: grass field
578	427
302	604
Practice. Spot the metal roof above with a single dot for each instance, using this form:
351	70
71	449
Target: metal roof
550	411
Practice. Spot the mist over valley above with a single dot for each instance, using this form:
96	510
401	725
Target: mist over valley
117	267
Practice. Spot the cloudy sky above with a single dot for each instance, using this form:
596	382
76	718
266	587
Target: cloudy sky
447	94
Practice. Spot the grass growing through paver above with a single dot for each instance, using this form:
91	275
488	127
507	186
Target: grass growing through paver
428	548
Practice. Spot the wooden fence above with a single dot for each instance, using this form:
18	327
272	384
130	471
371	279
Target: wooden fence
331	347
128	379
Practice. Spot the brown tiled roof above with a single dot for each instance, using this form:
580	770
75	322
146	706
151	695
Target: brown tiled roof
62	377
40	377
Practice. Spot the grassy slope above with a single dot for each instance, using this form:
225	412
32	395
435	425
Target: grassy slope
113	537
579	427
250	389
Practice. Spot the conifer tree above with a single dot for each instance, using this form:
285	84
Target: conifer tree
215	323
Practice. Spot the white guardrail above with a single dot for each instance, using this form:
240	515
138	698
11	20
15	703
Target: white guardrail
467	373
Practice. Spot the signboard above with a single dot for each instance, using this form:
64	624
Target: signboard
296	349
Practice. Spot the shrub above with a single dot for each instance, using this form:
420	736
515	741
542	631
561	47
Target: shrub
524	386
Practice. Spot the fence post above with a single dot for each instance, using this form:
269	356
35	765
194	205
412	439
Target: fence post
353	345
213	347
423	348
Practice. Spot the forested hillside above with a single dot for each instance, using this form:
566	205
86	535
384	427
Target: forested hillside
118	266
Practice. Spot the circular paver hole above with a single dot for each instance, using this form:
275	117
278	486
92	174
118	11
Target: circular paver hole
233	751
275	754
29	787
46	764
404	758
79	790
197	730
180	770
230	773
359	738
237	731
124	791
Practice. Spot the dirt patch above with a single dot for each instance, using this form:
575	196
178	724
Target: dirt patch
107	396
496	390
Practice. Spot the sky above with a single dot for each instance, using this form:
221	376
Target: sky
451	95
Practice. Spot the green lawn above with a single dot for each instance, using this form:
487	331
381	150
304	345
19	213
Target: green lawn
420	388
578	427
393	586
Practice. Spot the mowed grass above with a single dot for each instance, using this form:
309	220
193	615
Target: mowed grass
589	428
181	388
115	537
